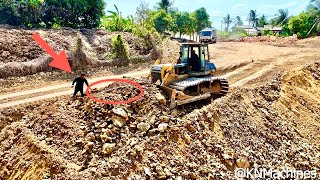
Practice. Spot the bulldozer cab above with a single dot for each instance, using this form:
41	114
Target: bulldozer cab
195	56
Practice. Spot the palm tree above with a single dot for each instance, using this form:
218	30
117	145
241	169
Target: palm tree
238	21
315	4
282	17
165	5
314	7
253	18
227	21
262	21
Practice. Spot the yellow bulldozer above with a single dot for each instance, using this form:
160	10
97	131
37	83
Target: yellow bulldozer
190	78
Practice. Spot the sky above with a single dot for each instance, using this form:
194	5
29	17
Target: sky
217	9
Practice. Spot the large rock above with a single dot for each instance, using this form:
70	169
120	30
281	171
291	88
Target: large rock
118	121
163	127
143	127
120	112
161	98
119	117
243	163
108	148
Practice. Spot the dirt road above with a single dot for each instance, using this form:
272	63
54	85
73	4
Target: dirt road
243	64
33	95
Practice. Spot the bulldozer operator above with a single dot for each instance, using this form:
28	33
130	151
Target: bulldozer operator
194	61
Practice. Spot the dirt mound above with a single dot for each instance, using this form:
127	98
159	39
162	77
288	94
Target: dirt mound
272	40
262	127
20	55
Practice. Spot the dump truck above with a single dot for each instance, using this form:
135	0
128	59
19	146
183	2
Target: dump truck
208	35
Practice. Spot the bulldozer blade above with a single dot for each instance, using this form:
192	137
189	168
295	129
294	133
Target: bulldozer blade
167	90
193	99
171	93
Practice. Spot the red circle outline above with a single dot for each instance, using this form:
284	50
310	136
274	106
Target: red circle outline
115	102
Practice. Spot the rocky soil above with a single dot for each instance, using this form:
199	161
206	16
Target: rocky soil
17	45
24	64
87	50
273	126
271	40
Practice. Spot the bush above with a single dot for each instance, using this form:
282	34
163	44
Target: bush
267	32
223	34
120	48
285	31
235	34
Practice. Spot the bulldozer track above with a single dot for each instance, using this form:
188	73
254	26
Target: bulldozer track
224	86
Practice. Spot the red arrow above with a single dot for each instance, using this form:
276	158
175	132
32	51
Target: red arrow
60	61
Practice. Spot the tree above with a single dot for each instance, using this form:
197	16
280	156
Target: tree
73	13
52	13
314	11
227	21
161	21
165	5
183	22
238	21
253	18
144	24
21	12
282	17
175	14
300	24
142	13
191	29
262	21
202	19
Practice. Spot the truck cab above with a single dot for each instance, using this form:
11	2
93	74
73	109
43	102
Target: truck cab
208	35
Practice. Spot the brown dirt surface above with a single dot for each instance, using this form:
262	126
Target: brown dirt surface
275	125
271	40
269	119
21	55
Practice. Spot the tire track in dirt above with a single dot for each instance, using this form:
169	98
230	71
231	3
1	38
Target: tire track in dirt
245	74
25	95
269	68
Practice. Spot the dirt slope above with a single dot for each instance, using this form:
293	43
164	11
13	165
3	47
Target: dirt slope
272	126
243	64
16	45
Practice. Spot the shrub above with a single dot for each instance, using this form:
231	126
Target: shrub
120	48
223	34
267	32
285	31
235	34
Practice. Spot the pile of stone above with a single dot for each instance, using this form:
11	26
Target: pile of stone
272	40
145	139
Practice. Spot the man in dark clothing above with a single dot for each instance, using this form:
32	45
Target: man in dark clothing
179	60
79	84
195	61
